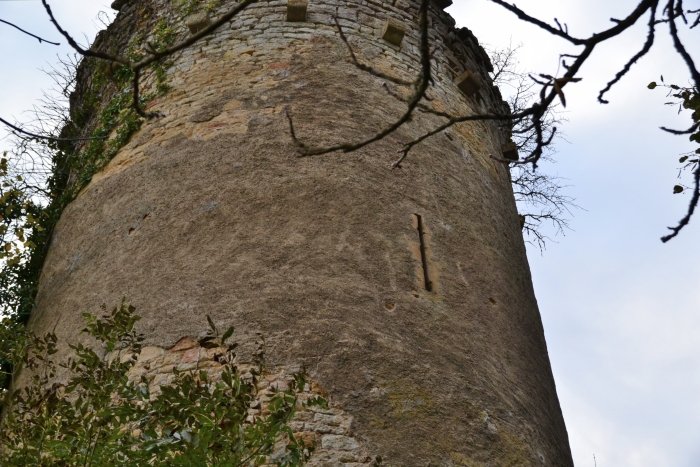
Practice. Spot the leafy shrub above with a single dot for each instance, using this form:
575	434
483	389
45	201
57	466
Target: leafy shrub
101	417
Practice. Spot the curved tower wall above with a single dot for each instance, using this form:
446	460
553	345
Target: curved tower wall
210	211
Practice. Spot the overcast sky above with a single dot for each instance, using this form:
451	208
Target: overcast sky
621	310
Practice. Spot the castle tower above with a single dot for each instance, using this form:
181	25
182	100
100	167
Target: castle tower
405	293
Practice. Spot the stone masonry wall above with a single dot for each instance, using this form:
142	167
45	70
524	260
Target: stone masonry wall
258	35
202	104
209	211
327	431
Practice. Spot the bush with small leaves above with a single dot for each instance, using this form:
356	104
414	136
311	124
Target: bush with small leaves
101	417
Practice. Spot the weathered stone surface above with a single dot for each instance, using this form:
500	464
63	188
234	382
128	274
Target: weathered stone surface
191	355
149	353
197	22
118	4
184	344
227	221
339	443
156	364
442	4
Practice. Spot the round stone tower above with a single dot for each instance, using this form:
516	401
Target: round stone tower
405	293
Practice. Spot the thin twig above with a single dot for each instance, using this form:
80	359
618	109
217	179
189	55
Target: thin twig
48	138
153	55
29	33
680	48
691	208
421	86
647	47
364	67
547	97
76	46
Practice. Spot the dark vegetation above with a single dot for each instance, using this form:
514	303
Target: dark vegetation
102	417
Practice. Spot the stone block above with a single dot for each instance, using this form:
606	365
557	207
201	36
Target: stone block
191	355
309	438
197	22
468	83
184	344
150	352
393	32
442	4
296	10
510	151
339	443
187	366
331	420
118	4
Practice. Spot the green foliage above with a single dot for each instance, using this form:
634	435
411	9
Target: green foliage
686	98
19	215
102	418
189	7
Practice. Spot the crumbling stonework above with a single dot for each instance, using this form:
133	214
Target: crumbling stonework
328	432
208	210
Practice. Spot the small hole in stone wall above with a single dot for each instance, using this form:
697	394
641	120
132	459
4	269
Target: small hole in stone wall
146	216
132	230
492	300
415	294
389	306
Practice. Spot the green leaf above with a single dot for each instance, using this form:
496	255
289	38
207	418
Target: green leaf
227	334
206	342
683	159
678	189
211	324
652	85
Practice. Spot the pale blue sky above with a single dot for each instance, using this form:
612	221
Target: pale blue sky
621	310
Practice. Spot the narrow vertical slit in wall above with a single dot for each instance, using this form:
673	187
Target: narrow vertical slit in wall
423	255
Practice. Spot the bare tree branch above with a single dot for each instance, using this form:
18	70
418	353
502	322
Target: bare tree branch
76	46
29	33
364	67
530	122
421	86
223	19
49	138
680	48
527	18
691	208
695	74
153	55
647	47
537	110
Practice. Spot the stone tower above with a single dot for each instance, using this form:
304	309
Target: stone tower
406	293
